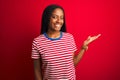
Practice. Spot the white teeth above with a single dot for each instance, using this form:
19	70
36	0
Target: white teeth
57	25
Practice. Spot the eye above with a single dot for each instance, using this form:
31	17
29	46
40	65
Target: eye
54	17
62	18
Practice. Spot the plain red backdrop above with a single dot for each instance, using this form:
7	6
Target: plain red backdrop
20	22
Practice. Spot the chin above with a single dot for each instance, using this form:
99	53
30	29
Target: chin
57	30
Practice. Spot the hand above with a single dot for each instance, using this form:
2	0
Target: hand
89	40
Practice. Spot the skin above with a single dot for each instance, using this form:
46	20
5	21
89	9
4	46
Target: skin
38	69
55	24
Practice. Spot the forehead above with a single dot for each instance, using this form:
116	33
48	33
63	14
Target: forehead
58	11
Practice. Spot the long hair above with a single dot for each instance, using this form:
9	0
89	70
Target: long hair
46	18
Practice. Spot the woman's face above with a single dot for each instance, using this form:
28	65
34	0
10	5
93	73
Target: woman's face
56	20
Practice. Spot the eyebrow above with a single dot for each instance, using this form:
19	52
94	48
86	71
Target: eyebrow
57	15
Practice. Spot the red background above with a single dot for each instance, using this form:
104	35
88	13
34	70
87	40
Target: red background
20	23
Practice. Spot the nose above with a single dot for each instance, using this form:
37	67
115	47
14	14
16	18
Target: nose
58	20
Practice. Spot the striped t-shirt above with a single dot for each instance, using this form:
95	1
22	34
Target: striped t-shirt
56	55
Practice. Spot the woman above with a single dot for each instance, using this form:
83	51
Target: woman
53	51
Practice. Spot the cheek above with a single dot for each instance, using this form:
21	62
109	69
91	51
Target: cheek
62	22
51	22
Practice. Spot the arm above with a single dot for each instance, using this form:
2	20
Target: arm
78	57
90	39
37	69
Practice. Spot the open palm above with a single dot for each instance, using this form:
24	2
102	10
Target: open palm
91	39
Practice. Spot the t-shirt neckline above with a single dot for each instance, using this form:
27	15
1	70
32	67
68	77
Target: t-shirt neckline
52	39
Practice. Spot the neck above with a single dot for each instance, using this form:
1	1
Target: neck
53	34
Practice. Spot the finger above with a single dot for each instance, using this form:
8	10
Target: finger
88	37
95	37
98	35
86	48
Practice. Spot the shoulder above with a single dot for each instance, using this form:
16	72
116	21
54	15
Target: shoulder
67	34
38	38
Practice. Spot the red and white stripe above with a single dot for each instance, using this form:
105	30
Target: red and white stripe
56	56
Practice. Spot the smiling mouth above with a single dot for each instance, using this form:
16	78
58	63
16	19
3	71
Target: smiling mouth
57	25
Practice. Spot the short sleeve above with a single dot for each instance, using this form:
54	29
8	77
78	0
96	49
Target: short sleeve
35	50
73	43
